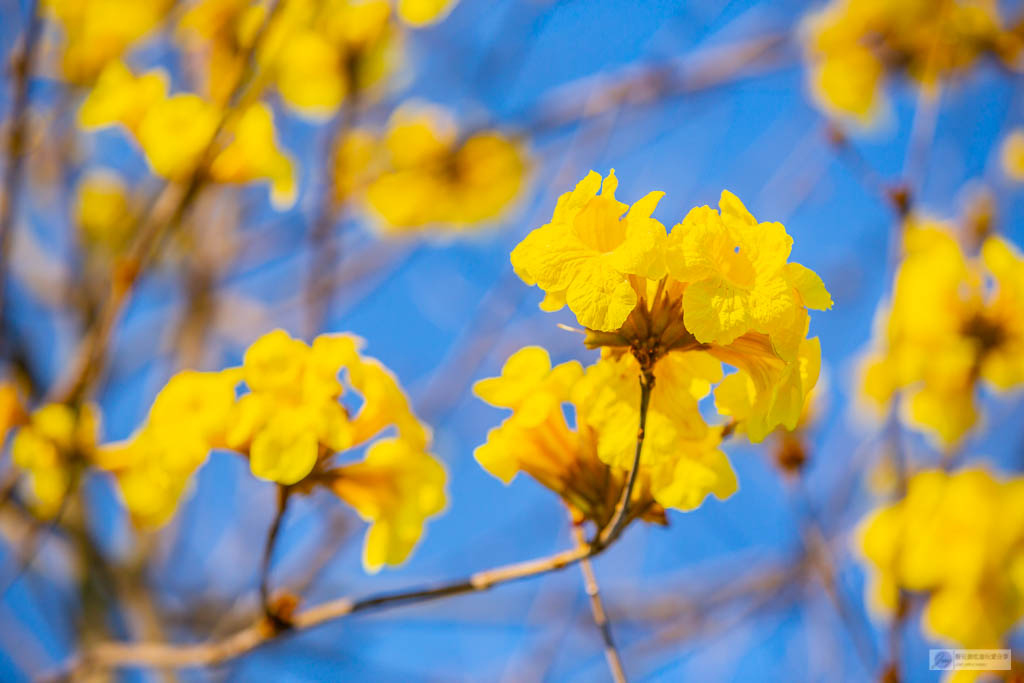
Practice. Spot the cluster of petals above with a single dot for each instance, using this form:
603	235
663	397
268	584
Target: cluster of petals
177	132
851	45
719	284
954	320
587	462
957	538
418	172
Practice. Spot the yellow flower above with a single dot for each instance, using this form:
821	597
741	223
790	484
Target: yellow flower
1013	155
429	178
97	32
188	419
55	440
952	322
759	410
589	251
343	47
102	211
738	279
424	12
175	133
150	474
588	466
121	98
958	538
253	155
850	44
396	487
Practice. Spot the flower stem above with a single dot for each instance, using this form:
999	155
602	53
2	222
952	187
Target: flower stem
621	517
283	494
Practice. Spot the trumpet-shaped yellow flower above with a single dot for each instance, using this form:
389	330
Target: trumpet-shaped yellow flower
589	250
738	279
850	45
426	177
396	487
953	321
1013	155
56	440
760	409
102	211
959	539
97	32
588	466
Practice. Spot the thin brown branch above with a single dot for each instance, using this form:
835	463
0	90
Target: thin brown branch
17	135
611	653
283	496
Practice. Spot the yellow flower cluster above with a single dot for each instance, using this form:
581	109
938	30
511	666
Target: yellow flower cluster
419	174
50	447
851	44
718	285
291	425
959	538
96	32
316	54
952	321
153	468
587	465
176	131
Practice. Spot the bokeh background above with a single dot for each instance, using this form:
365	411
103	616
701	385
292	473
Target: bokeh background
725	592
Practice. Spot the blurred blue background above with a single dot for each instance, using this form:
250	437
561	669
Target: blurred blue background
445	311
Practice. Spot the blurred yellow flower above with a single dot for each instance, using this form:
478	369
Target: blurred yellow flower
851	44
953	321
959	539
253	155
56	441
102	211
427	177
188	418
176	133
121	98
97	32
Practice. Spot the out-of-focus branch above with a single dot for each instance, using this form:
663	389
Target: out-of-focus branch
166	214
699	71
17	134
611	653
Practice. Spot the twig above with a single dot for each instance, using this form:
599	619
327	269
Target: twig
611	653
283	495
21	68
160	655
